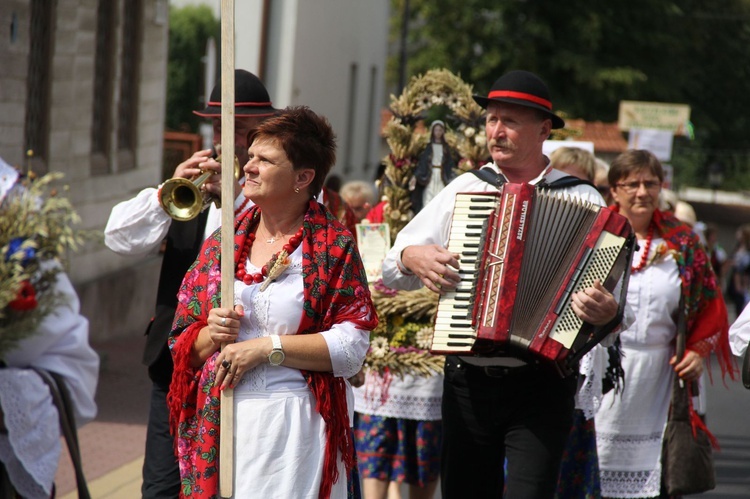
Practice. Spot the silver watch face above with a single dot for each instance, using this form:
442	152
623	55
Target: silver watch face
276	357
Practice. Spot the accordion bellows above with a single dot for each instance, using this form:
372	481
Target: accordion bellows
523	252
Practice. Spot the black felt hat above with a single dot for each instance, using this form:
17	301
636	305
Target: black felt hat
250	98
524	89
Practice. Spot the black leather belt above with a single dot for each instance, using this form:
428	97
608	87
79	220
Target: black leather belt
497	371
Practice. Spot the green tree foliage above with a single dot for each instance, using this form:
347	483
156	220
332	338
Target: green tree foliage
595	54
190	27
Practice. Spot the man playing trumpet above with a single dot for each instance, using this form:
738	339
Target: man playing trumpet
138	227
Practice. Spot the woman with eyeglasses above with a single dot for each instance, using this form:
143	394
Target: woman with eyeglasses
670	267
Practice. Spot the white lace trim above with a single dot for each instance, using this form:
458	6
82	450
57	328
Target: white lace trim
256	378
348	362
258	314
31	450
592	368
410	397
631	484
636	483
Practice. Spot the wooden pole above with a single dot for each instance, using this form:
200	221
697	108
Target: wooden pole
226	440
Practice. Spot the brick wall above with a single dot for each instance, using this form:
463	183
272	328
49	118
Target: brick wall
96	271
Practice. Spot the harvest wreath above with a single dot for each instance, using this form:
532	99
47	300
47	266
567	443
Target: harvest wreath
400	344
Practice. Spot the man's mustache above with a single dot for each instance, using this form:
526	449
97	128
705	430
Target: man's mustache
504	143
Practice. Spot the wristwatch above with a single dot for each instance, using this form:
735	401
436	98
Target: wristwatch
276	357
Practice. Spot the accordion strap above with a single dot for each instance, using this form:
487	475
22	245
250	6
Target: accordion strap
493	178
680	408
490	176
564	182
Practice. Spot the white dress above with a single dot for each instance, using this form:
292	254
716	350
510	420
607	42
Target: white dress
630	425
279	435
31	448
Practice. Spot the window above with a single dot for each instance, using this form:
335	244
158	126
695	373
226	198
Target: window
127	115
101	123
36	133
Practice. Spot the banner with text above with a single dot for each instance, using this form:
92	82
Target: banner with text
654	115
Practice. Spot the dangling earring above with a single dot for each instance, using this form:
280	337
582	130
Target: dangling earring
296	190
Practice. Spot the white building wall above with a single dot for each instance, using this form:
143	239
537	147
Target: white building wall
339	43
248	27
281	51
311	48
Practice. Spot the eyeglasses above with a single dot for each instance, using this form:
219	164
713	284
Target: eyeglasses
650	185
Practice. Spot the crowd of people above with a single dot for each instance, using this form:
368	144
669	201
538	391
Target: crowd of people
291	347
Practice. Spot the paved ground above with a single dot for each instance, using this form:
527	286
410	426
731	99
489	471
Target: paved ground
727	410
112	445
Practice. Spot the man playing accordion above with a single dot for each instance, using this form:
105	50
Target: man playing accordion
499	407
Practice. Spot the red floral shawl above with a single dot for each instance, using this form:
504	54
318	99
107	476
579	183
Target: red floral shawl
335	290
704	307
705	310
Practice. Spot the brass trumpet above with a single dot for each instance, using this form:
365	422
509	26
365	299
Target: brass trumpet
183	200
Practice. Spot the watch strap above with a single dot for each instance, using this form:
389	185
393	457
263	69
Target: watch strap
276	357
276	341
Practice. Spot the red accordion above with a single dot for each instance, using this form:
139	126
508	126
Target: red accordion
523	253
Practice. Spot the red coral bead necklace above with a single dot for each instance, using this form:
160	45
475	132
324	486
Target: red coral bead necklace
259	277
644	256
241	209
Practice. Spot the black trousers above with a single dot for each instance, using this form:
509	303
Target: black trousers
161	475
523	414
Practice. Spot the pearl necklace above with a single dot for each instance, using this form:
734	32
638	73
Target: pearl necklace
644	256
273	268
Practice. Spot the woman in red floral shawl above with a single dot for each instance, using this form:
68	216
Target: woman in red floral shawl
298	329
670	264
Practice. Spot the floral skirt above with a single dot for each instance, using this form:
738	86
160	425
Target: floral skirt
398	450
579	471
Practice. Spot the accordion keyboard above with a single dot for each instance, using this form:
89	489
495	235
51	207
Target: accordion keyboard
453	323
